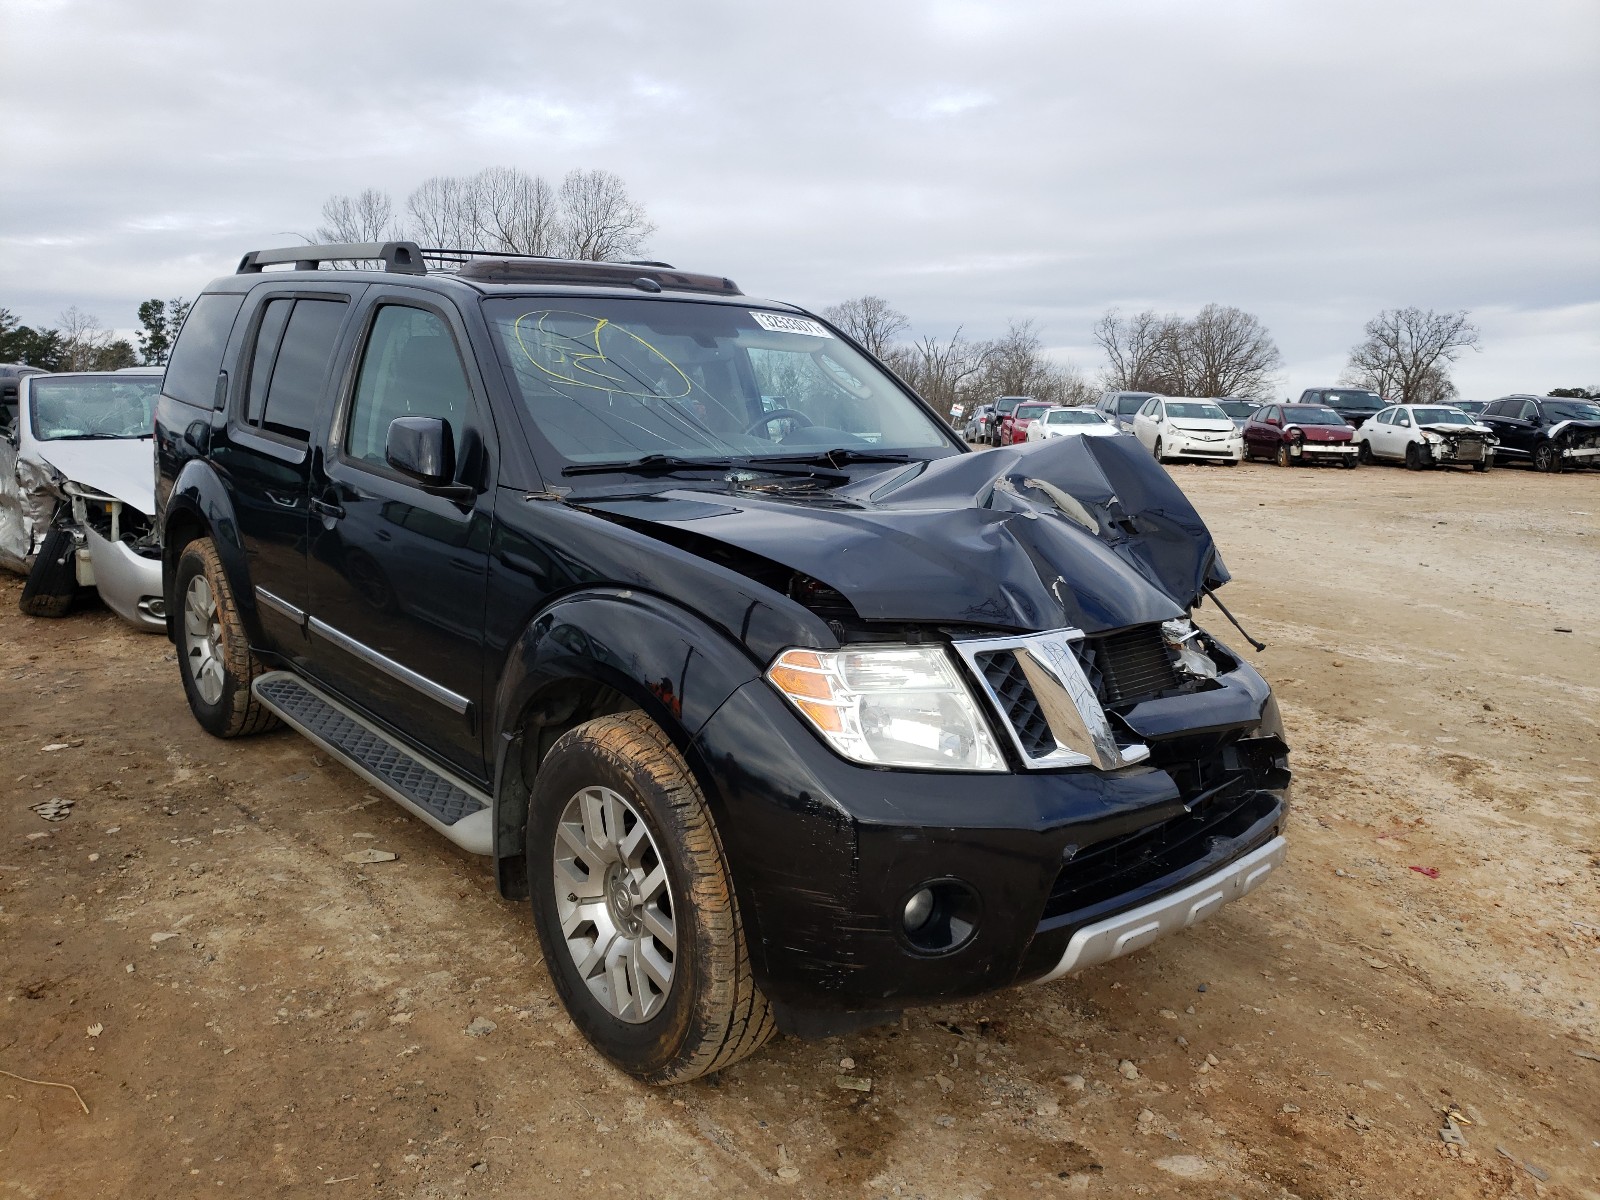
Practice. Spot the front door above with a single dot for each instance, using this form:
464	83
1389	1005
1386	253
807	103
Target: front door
397	573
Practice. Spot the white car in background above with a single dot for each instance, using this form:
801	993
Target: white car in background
77	493
1426	435
1188	427
1070	422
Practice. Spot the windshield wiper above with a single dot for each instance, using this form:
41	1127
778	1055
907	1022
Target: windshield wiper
666	464
838	457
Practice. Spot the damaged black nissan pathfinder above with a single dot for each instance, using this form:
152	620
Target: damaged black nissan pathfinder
785	709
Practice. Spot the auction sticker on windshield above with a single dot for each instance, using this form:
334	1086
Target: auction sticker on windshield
783	323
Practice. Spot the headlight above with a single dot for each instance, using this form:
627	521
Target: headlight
1433	439
894	706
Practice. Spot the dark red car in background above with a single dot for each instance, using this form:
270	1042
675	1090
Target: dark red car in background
1014	427
1291	434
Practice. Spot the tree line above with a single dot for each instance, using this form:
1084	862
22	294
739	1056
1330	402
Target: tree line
589	215
80	342
1404	355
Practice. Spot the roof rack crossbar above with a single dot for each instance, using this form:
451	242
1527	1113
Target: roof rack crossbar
402	258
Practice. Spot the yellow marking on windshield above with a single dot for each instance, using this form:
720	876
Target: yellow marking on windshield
587	364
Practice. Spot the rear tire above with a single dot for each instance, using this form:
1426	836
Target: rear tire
214	655
635	908
53	582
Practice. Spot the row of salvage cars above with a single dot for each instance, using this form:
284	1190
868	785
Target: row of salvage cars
1548	433
77	491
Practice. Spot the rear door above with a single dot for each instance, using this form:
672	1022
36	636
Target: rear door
397	572
287	362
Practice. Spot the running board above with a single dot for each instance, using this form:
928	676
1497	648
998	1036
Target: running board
451	806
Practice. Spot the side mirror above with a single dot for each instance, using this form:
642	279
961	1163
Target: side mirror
422	448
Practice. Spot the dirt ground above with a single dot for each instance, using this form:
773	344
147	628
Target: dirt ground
245	1013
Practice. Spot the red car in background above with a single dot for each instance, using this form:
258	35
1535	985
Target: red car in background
1014	426
1292	434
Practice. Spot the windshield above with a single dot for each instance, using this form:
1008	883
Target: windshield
1131	403
1441	416
1311	415
1074	416
1362	400
613	380
1193	410
93	406
1237	408
1572	410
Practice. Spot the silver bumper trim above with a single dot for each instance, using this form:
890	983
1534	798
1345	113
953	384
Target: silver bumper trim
1138	927
128	583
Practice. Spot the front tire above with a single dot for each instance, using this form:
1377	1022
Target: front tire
1364	455
1414	457
53	581
1159	457
214	655
1546	458
1285	459
635	907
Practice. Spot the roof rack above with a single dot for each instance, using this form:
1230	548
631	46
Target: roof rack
493	266
403	258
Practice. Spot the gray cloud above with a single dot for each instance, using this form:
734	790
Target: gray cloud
972	162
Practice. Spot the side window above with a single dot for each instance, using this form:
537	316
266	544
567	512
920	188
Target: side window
299	374
268	335
410	369
197	357
1530	411
1402	418
1269	414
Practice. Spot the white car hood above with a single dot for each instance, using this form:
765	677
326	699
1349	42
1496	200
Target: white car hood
121	467
1103	429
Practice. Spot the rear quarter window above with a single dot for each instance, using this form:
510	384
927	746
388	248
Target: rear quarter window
196	359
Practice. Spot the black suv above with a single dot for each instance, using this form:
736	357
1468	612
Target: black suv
1552	433
785	709
1355	405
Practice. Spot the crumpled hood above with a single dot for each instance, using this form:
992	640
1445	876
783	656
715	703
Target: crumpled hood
1456	430
1086	532
1572	426
120	467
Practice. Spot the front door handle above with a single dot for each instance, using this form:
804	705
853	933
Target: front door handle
323	508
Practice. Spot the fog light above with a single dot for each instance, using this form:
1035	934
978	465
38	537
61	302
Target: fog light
918	909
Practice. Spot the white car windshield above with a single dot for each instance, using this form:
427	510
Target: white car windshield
1441	416
1074	416
1189	410
83	407
613	380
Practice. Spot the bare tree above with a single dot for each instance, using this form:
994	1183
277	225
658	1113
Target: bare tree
1221	351
1016	365
84	341
870	320
939	372
443	212
513	211
1231	354
599	220
1133	349
365	217
1407	353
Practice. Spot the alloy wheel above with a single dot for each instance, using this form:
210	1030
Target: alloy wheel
202	639
614	903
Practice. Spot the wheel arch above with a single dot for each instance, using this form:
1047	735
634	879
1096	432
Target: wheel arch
590	655
199	507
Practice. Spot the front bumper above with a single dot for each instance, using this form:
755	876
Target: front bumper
1215	451
129	583
824	853
1584	454
1325	451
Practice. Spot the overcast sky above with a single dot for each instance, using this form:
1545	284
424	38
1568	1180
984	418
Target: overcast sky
1312	163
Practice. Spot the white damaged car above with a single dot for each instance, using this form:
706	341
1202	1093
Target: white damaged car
77	492
1193	427
1426	435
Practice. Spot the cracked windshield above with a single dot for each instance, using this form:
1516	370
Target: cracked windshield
610	380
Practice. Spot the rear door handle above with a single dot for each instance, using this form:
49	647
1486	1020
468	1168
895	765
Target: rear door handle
323	508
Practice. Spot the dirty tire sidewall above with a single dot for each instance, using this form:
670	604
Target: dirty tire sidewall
714	1014
1284	457
236	712
52	582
